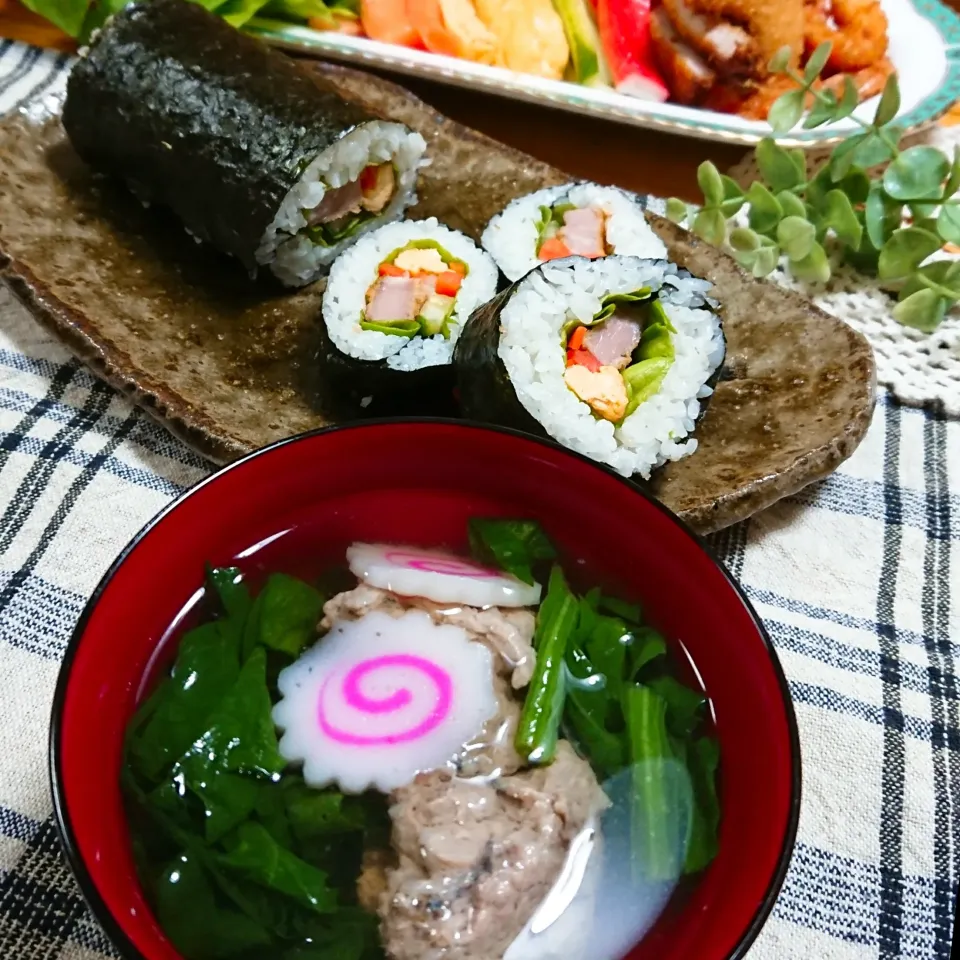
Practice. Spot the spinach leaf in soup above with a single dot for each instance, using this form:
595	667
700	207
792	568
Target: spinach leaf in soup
242	859
284	616
239	744
515	546
253	853
190	914
226	583
206	669
703	761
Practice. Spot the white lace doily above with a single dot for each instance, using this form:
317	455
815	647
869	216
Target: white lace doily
918	367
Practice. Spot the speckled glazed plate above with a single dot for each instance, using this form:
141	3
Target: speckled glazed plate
225	363
924	39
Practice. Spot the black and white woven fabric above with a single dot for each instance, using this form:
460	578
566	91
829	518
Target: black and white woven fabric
853	578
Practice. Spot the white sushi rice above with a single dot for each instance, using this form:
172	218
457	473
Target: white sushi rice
511	236
292	256
532	351
356	270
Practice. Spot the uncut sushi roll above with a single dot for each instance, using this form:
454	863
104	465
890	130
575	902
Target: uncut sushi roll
394	306
613	358
574	219
244	145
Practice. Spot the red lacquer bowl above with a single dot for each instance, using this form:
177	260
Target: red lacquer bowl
418	482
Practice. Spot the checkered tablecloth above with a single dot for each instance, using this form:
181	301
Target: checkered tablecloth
853	578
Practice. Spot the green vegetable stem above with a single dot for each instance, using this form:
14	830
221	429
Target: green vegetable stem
656	816
536	738
888	224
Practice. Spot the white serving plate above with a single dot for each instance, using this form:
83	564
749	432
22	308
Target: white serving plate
924	47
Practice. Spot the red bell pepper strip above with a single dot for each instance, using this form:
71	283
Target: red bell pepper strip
583	358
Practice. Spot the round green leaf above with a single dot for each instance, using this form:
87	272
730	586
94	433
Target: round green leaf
813	268
711	225
948	223
817	61
819	186
881	215
733	196
923	211
865	259
786	111
731	189
765	262
856	185
905	250
840	217
824	110
953	181
917	174
780	60
765	209
850	99
889	104
800	162
791	204
743	240
941	276
872	150
923	310
841	160
676	210
796	237
777	166
708	178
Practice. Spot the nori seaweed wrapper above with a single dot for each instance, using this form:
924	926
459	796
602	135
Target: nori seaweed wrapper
483	384
485	391
201	118
355	389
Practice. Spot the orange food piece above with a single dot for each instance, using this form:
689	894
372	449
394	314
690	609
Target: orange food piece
576	338
553	249
388	22
391	270
427	19
448	283
458	267
368	178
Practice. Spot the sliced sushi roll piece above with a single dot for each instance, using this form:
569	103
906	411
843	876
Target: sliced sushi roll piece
613	358
575	219
394	306
245	145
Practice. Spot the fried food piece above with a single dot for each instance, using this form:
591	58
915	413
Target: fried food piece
857	29
757	103
739	37
686	74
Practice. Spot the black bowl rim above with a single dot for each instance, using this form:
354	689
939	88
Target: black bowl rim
68	840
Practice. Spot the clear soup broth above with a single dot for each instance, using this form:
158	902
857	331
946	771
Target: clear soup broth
354	754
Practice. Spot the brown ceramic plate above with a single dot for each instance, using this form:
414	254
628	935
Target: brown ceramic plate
225	363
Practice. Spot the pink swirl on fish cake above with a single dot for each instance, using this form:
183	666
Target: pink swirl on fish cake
430	563
357	700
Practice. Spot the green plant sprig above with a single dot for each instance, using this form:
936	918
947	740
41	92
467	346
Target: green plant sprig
886	224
